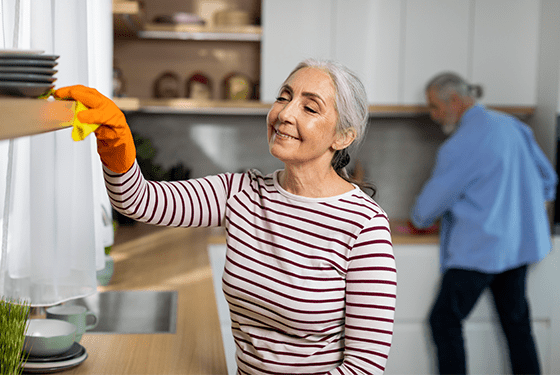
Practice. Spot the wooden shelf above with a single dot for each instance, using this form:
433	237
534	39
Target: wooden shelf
247	33
191	106
23	117
223	107
128	17
419	110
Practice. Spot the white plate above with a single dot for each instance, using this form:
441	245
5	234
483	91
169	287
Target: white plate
27	56
27	62
28	70
26	89
46	367
19	77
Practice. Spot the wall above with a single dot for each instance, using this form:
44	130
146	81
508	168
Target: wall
397	154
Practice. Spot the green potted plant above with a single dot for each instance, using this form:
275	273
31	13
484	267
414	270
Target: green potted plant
13	322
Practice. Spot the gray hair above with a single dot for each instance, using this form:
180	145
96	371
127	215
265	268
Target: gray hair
444	84
351	97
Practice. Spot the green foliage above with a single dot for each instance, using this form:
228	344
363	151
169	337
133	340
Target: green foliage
13	321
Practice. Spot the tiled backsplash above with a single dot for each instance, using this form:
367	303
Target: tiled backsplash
397	153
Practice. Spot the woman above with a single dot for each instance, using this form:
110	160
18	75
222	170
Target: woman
310	275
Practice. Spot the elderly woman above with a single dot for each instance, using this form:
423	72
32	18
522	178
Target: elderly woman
310	275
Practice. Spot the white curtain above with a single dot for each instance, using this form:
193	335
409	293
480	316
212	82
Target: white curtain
56	217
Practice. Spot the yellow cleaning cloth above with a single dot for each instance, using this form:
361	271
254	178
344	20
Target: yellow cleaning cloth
80	130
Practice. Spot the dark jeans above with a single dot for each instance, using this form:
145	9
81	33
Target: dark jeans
459	292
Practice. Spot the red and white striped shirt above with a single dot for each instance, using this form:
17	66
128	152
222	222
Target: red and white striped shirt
310	282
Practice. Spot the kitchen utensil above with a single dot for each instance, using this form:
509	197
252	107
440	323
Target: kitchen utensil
77	315
75	351
53	367
48	337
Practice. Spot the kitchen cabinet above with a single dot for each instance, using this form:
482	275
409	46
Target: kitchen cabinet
413	351
436	39
329	29
505	50
396	46
292	30
377	55
388	54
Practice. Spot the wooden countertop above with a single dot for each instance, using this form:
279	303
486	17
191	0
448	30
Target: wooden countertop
158	258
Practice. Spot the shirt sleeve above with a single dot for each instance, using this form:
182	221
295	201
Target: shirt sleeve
547	172
189	203
371	290
449	178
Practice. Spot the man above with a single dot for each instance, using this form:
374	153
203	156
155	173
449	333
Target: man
489	188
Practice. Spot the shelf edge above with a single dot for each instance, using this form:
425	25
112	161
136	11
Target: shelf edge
24	117
187	106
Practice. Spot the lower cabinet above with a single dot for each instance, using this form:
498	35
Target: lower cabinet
413	351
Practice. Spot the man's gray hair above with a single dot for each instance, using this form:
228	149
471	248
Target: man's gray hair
444	84
351	97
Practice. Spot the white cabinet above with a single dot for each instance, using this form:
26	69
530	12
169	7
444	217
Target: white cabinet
292	30
367	40
436	39
396	46
505	50
362	34
413	351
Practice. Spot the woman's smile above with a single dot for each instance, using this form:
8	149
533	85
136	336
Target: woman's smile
284	135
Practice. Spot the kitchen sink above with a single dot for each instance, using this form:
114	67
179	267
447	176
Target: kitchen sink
133	311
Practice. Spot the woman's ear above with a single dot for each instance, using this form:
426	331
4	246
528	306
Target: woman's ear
344	139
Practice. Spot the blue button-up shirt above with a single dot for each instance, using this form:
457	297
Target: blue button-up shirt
489	187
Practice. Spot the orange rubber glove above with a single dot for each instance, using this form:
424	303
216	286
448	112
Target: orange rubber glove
115	144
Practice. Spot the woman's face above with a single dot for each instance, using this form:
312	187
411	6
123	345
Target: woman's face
302	120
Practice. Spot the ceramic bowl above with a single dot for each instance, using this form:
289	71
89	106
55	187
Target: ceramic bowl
48	337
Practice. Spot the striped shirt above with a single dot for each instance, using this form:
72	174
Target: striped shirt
310	282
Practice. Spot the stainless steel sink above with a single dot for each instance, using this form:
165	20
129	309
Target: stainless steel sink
133	311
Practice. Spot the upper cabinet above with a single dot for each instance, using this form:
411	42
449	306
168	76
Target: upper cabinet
505	50
435	39
396	46
292	30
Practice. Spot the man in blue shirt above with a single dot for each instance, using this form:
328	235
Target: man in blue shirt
489	187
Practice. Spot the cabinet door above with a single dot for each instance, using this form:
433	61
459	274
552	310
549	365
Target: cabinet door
292	30
367	40
436	39
505	52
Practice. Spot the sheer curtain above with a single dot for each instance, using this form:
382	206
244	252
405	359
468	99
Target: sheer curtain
55	214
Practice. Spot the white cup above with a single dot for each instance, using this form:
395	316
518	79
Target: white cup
75	314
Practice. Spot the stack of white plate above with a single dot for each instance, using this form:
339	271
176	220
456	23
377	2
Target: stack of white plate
26	73
61	362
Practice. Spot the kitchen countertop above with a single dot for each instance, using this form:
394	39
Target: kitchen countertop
155	258
158	258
